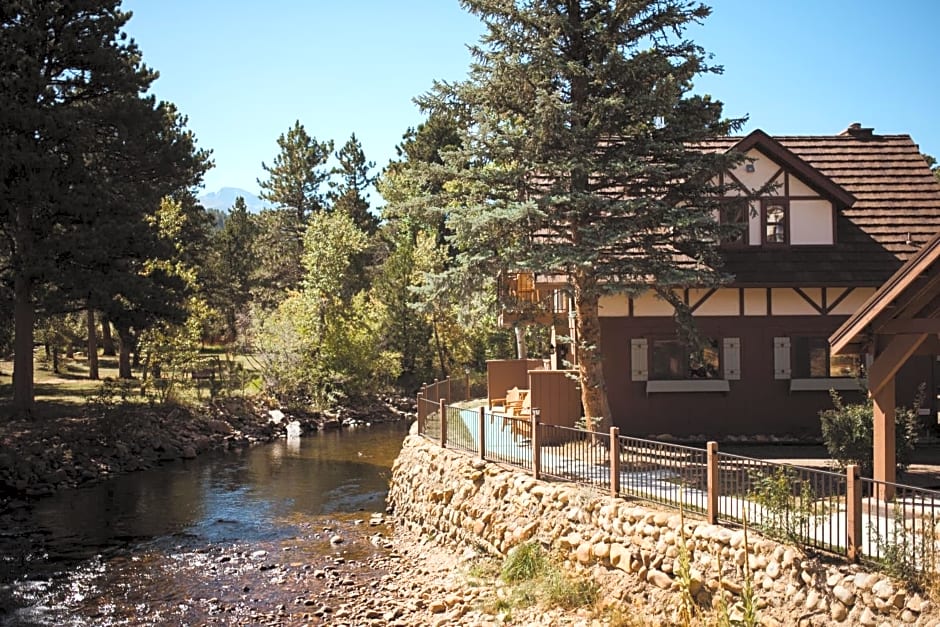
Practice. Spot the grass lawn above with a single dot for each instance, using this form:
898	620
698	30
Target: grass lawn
61	394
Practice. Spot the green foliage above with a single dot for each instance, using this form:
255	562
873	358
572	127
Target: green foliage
322	344
848	431
786	503
907	547
232	265
565	102
569	592
298	172
349	194
86	158
524	562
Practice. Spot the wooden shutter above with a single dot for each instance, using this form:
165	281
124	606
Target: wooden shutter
781	358
639	360
731	358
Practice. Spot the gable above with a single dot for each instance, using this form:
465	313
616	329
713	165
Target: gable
770	182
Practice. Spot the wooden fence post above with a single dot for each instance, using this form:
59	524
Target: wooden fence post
443	412
712	481
481	427
421	421
853	512
448	390
536	445
469	396
614	462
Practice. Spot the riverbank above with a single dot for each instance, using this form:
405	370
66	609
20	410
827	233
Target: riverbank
87	444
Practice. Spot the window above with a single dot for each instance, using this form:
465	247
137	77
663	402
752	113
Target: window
734	215
775	222
673	360
812	360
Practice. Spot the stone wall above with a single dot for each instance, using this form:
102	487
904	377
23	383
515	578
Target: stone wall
463	501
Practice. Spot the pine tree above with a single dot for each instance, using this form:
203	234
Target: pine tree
298	173
580	132
349	194
68	76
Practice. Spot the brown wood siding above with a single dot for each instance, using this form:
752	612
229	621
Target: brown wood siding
757	404
557	396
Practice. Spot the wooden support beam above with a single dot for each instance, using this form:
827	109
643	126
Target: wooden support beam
912	325
889	361
884	441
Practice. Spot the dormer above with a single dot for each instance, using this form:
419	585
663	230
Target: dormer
789	203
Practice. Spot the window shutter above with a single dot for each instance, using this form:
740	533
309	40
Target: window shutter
781	358
639	366
731	359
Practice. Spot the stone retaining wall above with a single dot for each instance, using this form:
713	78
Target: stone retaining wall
463	501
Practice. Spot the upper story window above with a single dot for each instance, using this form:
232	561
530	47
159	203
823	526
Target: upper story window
775	222
735	216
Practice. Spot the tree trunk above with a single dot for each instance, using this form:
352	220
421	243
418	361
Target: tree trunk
107	342
92	347
590	360
124	353
521	350
23	318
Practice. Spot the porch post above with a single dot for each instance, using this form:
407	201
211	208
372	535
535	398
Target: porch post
885	458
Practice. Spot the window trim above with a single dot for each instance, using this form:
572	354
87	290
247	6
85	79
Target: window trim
783	203
687	385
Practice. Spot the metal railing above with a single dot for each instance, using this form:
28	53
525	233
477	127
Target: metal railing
800	505
899	527
664	473
887	524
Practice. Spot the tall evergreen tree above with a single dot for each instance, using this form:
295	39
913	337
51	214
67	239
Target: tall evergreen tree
298	174
349	194
233	264
66	71
580	131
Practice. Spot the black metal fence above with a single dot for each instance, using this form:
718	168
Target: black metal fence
887	524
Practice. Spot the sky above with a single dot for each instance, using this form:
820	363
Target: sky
244	71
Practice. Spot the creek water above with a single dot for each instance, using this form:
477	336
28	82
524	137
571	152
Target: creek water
138	544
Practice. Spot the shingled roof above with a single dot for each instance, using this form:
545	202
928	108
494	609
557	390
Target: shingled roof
896	209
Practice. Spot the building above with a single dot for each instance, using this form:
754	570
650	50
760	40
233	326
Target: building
828	219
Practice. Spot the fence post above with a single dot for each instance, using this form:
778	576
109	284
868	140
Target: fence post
469	396
421	421
536	445
443	411
614	461
712	480
853	512
449	400
481	427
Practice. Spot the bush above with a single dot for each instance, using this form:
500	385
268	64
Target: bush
848	432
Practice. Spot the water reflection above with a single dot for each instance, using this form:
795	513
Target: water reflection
243	496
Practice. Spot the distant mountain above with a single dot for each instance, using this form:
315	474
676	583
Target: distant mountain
225	198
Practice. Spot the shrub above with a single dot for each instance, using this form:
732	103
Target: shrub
848	431
524	562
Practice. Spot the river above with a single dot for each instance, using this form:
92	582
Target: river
217	539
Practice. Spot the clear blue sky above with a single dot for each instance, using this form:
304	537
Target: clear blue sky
244	71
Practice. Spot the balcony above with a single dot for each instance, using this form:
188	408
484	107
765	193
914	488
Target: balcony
523	298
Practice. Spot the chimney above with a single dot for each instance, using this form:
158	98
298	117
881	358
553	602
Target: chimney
855	130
